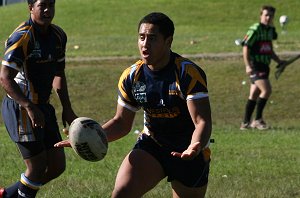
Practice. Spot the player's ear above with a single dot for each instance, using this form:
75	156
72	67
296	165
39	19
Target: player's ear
169	40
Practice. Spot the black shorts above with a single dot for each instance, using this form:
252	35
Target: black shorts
191	173
30	141
257	75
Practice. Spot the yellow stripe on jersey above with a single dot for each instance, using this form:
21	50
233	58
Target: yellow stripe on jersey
126	74
194	73
22	42
122	89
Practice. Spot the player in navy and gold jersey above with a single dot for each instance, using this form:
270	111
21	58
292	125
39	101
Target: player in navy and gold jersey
258	52
172	91
33	65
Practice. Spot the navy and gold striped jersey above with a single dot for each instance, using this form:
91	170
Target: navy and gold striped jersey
163	95
37	58
259	40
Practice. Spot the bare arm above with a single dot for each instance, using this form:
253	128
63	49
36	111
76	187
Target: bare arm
120	125
247	62
60	86
201	115
117	127
13	90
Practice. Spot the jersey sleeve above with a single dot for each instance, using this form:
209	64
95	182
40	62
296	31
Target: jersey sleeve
16	48
125	93
193	81
62	40
275	35
250	37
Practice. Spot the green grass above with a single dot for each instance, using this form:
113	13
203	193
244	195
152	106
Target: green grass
109	27
244	164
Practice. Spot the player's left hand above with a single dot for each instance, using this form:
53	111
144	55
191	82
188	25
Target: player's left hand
64	143
190	153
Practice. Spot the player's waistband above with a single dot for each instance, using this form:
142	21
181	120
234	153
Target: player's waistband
39	102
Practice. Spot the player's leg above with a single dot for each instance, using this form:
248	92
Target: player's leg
56	164
30	181
19	130
45	166
181	191
139	172
250	106
189	178
55	161
265	88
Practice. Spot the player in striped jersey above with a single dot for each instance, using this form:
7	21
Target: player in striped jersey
258	53
33	65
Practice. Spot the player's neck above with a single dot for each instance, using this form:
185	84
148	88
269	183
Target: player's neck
162	63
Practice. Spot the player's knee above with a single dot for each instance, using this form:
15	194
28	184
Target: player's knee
120	193
125	193
56	170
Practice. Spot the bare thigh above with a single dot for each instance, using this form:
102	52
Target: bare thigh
181	191
265	88
139	173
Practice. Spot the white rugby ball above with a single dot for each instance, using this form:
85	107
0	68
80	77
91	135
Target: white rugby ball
283	19
88	139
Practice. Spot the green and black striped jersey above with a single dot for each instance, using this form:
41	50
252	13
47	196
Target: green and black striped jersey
259	40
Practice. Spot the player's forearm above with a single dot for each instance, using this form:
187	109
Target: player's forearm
202	133
61	88
14	91
246	57
115	129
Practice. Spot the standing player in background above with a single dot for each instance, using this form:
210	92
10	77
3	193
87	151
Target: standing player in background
33	64
173	93
257	53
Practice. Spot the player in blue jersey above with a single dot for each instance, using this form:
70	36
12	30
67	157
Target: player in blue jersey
33	65
172	91
257	53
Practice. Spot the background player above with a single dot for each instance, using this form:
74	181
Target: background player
258	52
33	64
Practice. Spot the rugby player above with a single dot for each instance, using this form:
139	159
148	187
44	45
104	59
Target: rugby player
257	54
173	93
33	65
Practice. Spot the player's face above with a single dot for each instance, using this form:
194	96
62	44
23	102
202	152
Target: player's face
266	17
42	12
154	48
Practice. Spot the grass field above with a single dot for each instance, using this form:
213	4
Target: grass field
244	164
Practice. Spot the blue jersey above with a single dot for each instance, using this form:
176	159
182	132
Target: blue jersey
37	57
163	95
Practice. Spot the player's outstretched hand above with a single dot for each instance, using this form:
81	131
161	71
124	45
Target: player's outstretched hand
64	143
190	153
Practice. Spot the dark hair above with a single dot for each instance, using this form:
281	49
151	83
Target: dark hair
164	23
269	8
31	2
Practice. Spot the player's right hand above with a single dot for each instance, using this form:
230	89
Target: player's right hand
64	143
36	116
249	70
